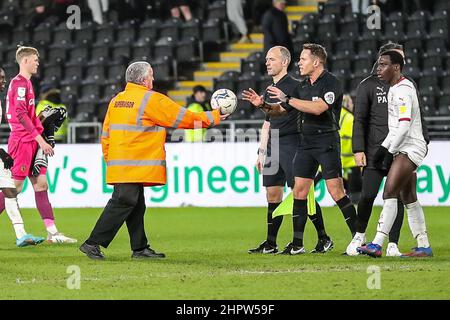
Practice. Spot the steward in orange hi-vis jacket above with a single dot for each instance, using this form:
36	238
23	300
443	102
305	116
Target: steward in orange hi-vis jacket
134	134
133	141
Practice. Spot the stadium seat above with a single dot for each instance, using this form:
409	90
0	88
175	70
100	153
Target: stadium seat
327	30
413	72
165	47
162	68
110	91
57	54
190	29
142	52
126	33
227	80
213	31
4	38
413	46
362	67
89	93
85	35
52	74
367	49
62	36
251	66
187	50
430	62
69	94
121	53
436	46
78	55
99	55
428	85
217	10
102	108
116	74
8	17
446	85
245	81
344	48
263	83
11	70
148	31
42	35
105	34
438	28
170	29
329	8
349	30
340	64
95	74
20	36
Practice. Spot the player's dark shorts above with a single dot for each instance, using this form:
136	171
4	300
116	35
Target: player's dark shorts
314	150
278	169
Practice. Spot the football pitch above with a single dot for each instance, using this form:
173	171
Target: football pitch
207	258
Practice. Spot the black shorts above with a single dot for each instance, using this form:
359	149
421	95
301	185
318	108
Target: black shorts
278	171
315	150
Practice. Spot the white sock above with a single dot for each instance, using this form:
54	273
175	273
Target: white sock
12	209
416	220
360	235
387	218
52	229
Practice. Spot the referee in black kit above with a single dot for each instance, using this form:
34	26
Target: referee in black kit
279	144
320	101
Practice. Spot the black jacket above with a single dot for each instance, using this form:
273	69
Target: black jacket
370	126
275	27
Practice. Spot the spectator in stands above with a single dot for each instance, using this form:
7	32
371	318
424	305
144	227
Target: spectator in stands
176	6
50	96
360	6
197	104
259	7
235	14
99	9
39	10
276	27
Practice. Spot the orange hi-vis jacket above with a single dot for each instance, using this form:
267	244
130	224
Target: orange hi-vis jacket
134	134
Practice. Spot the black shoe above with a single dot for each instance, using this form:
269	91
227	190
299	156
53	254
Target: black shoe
92	251
323	245
264	248
147	253
292	249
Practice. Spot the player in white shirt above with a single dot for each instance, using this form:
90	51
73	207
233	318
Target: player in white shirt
8	188
406	143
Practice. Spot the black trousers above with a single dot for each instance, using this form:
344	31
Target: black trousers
126	205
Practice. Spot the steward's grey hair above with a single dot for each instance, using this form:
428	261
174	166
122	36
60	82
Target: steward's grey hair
137	72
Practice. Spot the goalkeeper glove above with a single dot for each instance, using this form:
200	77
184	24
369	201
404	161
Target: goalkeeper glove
8	162
383	158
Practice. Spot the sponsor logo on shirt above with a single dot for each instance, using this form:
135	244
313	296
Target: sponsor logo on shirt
31	102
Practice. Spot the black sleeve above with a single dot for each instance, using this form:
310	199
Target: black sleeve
361	117
267	117
331	91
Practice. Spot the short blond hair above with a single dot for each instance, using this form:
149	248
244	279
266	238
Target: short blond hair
23	52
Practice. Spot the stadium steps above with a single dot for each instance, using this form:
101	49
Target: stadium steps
230	60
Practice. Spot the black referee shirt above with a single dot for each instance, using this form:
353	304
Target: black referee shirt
286	124
329	88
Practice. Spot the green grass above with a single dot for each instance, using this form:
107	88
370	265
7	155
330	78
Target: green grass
207	259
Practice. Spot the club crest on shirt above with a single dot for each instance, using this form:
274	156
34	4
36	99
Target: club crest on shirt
23	168
329	97
21	93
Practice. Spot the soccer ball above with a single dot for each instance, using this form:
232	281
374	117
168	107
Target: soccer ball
224	99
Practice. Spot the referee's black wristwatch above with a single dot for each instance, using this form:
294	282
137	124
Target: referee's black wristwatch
288	97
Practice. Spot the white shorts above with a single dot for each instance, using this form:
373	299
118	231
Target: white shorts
416	151
6	180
